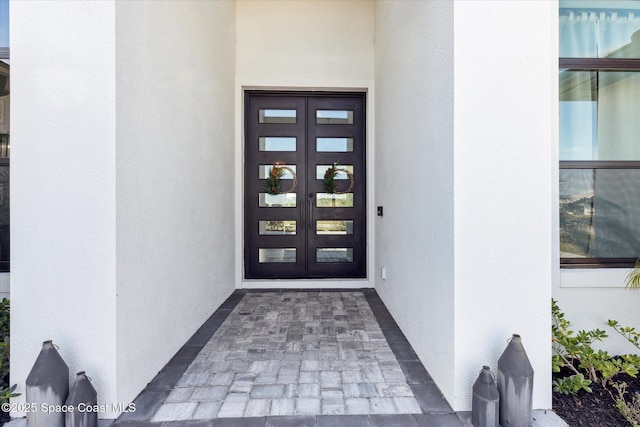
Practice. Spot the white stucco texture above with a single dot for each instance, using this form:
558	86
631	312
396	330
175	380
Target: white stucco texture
304	43
504	167
414	176
63	216
465	149
175	217
122	206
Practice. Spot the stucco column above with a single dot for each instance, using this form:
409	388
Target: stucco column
505	159
63	188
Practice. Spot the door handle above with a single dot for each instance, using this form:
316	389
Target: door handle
311	211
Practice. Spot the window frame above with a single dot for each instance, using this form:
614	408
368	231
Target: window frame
599	64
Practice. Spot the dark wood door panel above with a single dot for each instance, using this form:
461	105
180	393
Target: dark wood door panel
274	246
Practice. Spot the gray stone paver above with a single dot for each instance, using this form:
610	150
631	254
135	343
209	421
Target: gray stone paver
267	391
208	393
207	410
181	394
233	405
257	408
406	405
309	377
283	407
382	405
307	406
175	411
293	353
303	390
357	405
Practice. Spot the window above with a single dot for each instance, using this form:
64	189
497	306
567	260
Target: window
599	84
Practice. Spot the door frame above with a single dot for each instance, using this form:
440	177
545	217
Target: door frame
370	211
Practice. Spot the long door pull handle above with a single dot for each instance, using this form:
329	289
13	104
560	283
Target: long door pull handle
311	211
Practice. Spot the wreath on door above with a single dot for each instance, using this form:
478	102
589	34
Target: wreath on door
330	179
272	185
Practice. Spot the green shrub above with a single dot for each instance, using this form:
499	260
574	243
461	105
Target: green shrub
632	280
6	391
574	352
571	384
629	409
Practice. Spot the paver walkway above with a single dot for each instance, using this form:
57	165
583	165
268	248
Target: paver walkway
280	358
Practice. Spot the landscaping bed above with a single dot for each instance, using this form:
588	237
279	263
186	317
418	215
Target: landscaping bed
597	408
590	386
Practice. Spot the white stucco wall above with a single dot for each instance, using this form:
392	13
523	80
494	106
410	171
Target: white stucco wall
589	297
588	303
414	176
297	45
505	185
175	178
304	43
123	127
466	152
63	216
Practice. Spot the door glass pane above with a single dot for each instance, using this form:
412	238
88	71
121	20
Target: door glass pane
334	145
265	170
269	255
328	200
334	117
334	227
277	227
287	200
322	169
599	211
274	143
334	255
277	116
598	115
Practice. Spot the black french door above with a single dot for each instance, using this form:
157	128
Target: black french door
305	227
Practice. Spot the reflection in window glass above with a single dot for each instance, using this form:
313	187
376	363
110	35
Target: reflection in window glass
334	255
275	143
334	145
322	169
4	27
594	29
599	211
334	227
287	200
4	218
328	200
599	115
334	117
4	144
270	255
265	170
277	116
277	227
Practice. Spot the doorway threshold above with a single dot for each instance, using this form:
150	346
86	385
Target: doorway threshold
307	284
